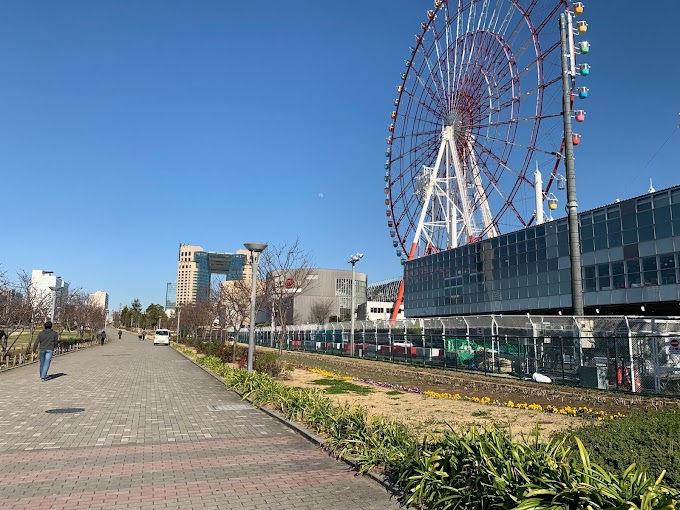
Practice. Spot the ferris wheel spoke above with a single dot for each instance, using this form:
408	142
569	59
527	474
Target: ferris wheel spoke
519	176
515	144
420	102
417	153
514	121
439	72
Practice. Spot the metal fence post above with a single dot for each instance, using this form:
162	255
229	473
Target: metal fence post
616	364
562	355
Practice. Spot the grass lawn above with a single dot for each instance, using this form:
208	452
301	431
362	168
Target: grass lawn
24	337
338	386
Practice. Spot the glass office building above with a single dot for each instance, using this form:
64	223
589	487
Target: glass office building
630	255
171	296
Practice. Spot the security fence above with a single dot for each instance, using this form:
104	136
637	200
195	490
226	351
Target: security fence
633	354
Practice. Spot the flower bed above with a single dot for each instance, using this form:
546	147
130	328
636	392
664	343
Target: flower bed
478	469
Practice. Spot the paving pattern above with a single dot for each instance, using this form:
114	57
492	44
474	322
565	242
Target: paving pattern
132	425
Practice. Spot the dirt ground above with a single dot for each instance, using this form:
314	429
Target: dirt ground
477	385
425	414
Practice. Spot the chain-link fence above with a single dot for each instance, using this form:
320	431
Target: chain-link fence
636	354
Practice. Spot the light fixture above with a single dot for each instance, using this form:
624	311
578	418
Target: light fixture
597	310
642	308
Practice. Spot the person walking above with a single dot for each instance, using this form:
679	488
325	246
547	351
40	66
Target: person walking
120	334
143	335
46	342
102	337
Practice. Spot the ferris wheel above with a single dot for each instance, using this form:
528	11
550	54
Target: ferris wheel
478	107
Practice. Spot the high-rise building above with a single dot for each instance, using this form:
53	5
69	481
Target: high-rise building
100	299
193	280
49	292
195	267
171	296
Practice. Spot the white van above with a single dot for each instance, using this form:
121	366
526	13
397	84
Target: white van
161	337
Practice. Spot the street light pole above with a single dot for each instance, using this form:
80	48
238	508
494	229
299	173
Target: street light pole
352	260
255	249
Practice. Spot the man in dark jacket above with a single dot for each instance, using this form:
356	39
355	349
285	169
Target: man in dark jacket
46	342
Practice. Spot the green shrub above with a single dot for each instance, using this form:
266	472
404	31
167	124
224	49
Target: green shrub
269	363
647	439
473	469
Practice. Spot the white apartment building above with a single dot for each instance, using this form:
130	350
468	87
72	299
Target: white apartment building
100	299
49	292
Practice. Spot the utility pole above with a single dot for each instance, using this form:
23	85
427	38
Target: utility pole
572	205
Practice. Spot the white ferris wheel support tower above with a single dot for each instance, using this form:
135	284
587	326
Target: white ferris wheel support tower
449	195
454	196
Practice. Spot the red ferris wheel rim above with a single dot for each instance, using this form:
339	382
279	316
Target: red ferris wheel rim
421	109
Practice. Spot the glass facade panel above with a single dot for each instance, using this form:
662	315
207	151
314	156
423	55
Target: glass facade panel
633	273
603	276
667	266
649	268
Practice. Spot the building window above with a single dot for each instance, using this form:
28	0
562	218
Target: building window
667	266
649	271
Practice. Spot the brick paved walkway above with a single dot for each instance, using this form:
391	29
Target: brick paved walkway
143	436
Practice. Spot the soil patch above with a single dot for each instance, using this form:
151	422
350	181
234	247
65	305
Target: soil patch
426	415
475	385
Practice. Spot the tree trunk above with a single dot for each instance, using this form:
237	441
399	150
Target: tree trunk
282	337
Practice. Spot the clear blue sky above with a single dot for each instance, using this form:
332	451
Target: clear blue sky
127	127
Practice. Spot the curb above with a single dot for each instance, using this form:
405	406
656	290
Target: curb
307	434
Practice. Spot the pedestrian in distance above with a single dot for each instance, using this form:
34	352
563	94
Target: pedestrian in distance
143	335
102	337
46	341
120	334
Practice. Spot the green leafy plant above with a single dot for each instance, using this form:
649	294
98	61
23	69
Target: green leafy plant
472	469
648	439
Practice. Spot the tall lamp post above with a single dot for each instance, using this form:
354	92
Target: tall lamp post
352	260
255	249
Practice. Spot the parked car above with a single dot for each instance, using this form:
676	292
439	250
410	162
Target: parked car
161	337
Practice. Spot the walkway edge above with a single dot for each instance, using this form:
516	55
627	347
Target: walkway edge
307	434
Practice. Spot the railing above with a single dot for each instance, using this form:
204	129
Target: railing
13	360
632	354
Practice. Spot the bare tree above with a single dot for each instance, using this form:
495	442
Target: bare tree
36	305
320	311
213	305
287	268
235	300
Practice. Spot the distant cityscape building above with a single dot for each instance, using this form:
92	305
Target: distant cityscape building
171	296
195	267
100	299
50	292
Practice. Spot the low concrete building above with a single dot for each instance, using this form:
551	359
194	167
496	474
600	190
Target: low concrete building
325	286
